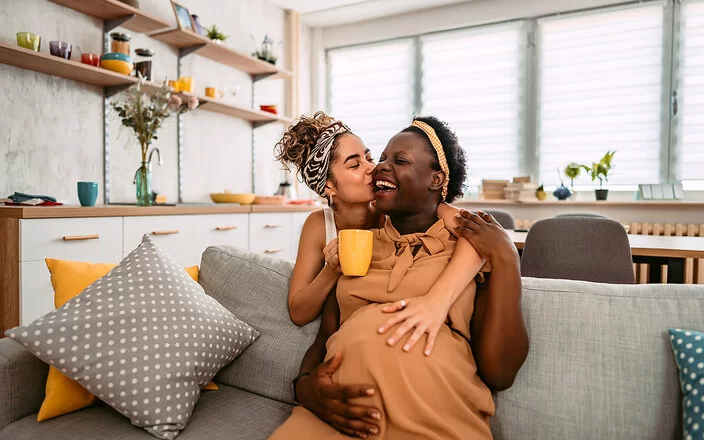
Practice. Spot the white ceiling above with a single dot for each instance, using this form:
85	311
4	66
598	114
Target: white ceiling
325	13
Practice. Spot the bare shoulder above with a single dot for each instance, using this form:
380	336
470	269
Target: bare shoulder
314	228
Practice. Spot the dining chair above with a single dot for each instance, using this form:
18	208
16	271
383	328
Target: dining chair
578	248
581	214
504	218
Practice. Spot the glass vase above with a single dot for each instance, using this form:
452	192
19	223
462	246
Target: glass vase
143	181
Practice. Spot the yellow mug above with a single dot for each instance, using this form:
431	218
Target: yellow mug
186	84
212	92
355	251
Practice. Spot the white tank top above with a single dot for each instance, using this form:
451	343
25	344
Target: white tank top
330	226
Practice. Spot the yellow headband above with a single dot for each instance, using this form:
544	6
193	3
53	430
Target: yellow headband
430	132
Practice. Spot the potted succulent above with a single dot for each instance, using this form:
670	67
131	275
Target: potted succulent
540	193
215	35
600	170
572	171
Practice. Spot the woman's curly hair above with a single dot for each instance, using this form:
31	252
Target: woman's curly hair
456	158
300	138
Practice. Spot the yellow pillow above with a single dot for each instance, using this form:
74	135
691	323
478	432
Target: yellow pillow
69	278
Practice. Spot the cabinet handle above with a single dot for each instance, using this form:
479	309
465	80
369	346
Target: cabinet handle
170	232
271	251
225	228
272	226
81	237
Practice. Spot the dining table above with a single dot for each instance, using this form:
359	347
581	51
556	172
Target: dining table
656	250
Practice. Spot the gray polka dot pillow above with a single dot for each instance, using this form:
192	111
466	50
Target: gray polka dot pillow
144	339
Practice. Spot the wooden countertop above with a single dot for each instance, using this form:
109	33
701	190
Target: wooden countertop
73	211
647	204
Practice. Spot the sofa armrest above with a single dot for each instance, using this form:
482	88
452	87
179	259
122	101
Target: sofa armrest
22	382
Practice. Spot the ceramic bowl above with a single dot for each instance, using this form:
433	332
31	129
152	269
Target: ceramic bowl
242	199
117	62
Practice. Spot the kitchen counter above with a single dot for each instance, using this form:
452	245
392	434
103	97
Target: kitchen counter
75	211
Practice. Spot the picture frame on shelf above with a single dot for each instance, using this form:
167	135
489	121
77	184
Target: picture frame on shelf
183	17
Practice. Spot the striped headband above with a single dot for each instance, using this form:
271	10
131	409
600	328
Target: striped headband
315	172
430	132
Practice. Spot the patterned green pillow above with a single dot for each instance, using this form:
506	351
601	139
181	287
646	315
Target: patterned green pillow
688	347
144	339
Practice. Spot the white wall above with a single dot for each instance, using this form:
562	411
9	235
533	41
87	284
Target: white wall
52	129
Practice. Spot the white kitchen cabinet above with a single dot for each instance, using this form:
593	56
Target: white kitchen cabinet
223	229
174	234
183	237
69	238
96	240
270	233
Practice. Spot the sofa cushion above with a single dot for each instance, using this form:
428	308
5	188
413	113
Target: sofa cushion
144	339
600	364
255	287
69	279
226	414
688	347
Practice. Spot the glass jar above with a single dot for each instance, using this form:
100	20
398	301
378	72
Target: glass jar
120	42
143	66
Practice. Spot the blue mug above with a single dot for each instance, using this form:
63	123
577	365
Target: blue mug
87	193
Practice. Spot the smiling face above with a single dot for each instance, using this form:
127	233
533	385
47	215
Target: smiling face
405	179
351	172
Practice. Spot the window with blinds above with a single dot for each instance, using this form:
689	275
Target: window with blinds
600	88
690	120
474	79
371	90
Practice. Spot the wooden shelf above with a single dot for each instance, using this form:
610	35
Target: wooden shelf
257	117
51	65
189	42
114	11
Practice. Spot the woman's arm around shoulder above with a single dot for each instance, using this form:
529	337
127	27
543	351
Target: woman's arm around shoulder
312	279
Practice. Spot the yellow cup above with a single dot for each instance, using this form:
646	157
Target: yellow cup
186	84
355	250
213	92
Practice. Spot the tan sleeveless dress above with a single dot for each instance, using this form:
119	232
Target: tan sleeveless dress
438	397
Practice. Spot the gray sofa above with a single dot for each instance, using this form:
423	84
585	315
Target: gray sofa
600	365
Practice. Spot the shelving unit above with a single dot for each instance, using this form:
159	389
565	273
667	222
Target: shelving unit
115	13
74	70
188	42
256	117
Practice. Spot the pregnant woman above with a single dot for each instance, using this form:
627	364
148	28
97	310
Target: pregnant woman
418	397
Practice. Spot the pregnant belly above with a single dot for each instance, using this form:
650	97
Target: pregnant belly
412	388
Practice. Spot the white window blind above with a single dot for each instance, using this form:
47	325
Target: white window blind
600	88
475	79
371	90
690	119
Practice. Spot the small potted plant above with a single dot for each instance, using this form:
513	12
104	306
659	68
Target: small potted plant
572	171
540	193
215	35
267	51
600	170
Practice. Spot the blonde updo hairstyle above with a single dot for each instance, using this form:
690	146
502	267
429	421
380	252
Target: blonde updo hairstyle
299	140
